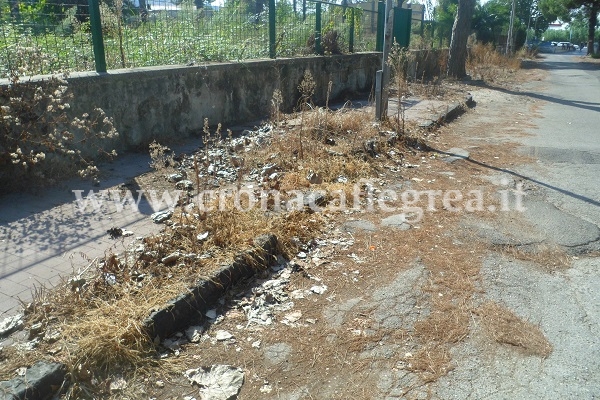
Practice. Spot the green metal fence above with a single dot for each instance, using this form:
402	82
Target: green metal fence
47	36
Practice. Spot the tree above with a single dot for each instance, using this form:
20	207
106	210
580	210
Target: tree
444	15
567	9
461	30
491	20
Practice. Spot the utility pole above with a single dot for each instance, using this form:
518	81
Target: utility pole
509	39
381	111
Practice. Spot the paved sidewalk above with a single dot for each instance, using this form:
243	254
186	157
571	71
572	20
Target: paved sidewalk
46	236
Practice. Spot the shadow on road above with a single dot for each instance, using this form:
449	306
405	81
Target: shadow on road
518	175
569	103
549	64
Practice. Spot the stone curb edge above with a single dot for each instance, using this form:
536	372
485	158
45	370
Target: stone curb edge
43	379
453	111
40	381
181	311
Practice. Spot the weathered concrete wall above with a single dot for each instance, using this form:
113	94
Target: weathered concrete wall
171	102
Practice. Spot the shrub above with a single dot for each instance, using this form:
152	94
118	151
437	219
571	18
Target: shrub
39	142
486	63
330	43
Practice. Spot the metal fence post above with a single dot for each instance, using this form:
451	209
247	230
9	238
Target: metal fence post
318	49
272	44
303	10
380	26
97	39
351	40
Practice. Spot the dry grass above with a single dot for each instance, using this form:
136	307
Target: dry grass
447	324
431	362
549	257
485	63
331	144
101	319
503	326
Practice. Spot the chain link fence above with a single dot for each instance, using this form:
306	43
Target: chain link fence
48	36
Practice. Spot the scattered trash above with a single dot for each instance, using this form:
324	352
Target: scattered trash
11	324
221	335
318	289
118	384
202	236
194	333
110	279
171	258
217	382
292	317
161	216
184	185
266	388
175	177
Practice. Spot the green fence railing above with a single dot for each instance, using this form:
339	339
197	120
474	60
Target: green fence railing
51	36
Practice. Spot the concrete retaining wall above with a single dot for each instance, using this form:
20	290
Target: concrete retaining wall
169	102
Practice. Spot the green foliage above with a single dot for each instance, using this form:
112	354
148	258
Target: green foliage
170	37
491	20
577	34
578	10
444	19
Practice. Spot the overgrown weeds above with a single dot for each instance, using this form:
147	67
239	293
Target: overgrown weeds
100	314
40	142
486	63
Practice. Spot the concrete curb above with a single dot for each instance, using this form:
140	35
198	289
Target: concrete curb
40	382
453	111
179	312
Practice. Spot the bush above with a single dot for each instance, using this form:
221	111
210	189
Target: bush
330	43
486	63
40	143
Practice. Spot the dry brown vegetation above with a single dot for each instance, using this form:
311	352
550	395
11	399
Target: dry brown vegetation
503	326
548	257
485	63
101	321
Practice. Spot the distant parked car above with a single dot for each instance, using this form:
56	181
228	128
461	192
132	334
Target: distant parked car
565	45
545	47
575	47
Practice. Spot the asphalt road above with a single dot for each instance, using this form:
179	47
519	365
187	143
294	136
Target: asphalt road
567	139
564	209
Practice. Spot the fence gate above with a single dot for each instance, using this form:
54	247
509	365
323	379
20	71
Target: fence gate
402	25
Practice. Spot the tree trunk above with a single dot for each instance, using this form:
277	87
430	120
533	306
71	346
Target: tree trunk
15	13
593	19
458	44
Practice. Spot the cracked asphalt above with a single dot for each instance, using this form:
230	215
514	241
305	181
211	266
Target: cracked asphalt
564	210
